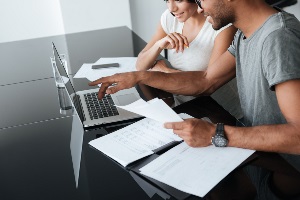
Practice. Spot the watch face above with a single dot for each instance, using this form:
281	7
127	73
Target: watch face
220	141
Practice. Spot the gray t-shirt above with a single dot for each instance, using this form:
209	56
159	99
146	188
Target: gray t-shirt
269	57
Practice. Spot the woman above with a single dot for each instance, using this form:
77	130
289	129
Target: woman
192	45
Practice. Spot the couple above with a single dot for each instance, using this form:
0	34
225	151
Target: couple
264	58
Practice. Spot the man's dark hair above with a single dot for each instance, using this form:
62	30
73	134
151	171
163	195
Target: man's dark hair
191	1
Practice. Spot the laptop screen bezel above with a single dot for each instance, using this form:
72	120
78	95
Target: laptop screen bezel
60	72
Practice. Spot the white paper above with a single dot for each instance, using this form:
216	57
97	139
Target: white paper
195	170
84	70
127	64
155	109
135	141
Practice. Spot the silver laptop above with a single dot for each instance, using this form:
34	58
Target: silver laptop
91	110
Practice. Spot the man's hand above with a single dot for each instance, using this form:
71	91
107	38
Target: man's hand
114	83
195	132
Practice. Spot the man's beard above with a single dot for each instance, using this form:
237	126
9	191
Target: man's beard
223	17
220	22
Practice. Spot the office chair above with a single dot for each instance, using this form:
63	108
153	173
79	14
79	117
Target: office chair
281	3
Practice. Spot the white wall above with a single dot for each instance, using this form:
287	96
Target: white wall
25	19
84	15
145	16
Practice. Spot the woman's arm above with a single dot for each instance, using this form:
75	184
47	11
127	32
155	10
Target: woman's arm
151	51
159	41
222	42
161	66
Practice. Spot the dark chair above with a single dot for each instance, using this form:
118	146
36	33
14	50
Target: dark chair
281	3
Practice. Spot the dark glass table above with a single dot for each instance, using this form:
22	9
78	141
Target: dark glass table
44	149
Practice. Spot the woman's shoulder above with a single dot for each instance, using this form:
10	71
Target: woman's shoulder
169	22
167	16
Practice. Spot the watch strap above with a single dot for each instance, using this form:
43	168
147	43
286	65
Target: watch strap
220	129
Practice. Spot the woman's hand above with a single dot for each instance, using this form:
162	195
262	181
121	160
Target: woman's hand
175	41
161	66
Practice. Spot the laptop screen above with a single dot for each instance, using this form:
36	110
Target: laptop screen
63	80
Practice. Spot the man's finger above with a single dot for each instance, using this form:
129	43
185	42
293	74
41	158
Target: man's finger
107	80
174	125
102	90
114	89
96	82
180	133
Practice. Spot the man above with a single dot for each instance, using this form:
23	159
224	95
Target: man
265	58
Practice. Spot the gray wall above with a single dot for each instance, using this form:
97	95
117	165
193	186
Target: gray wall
295	9
145	16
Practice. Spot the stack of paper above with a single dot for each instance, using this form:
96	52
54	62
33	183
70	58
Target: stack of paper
191	170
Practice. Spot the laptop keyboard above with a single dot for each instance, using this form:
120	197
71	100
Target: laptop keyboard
100	108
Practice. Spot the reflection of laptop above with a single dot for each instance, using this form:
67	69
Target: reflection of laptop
91	110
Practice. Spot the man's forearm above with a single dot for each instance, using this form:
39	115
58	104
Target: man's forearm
185	83
282	138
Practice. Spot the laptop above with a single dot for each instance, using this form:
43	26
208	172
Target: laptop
91	110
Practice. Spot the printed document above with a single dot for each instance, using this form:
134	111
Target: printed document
191	170
127	64
135	141
195	170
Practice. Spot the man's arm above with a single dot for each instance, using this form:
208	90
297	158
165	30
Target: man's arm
282	138
185	83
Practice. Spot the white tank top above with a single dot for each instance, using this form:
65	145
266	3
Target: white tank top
196	58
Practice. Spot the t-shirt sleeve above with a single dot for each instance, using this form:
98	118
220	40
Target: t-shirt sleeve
281	56
232	47
165	23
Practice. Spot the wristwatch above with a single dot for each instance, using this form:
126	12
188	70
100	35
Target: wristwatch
219	140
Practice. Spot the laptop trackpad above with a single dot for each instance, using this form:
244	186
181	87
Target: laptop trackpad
126	99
